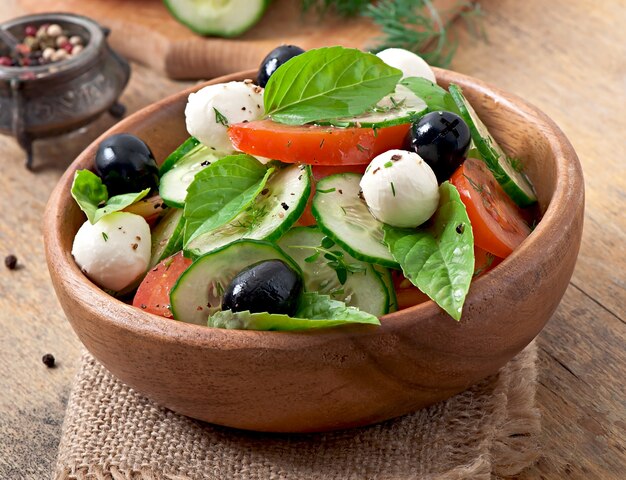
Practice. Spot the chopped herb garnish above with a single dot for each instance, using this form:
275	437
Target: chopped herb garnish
335	259
343	210
516	164
105	236
330	190
219	118
388	164
288	143
362	148
322	142
393	189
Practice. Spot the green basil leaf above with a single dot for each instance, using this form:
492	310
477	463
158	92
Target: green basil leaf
327	83
93	198
119	202
222	190
89	192
436	98
315	311
439	257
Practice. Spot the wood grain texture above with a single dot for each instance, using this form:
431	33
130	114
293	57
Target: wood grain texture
144	31
567	58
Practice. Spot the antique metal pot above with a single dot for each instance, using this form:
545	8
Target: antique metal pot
48	100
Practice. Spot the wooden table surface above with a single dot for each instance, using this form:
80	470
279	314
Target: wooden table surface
566	56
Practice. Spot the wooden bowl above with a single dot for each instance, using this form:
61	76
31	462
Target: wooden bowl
342	377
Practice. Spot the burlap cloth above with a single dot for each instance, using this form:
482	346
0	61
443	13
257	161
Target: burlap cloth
489	431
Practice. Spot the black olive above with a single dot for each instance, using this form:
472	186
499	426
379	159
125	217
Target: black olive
269	286
126	164
442	140
275	59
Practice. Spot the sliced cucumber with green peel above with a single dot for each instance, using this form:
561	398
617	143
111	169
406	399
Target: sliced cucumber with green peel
398	108
223	18
385	276
363	287
199	290
272	213
343	216
167	236
508	174
183	150
174	184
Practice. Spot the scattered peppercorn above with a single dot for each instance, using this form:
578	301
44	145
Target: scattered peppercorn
10	261
48	360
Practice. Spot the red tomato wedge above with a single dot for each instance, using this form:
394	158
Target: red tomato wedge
498	223
315	145
484	261
319	172
153	295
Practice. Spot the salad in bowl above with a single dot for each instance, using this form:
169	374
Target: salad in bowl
337	243
338	188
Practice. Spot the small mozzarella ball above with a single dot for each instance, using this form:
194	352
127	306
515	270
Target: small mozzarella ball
210	110
400	189
412	65
115	252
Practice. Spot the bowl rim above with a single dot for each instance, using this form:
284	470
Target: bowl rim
569	189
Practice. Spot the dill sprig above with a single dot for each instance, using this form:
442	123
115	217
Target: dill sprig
415	25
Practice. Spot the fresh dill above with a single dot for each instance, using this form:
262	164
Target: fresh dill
219	118
335	259
415	25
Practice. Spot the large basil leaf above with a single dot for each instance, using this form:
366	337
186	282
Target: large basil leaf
439	257
315	311
93	198
436	98
326	83
222	190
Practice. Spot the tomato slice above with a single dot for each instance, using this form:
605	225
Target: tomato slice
483	261
498	223
319	172
153	295
315	145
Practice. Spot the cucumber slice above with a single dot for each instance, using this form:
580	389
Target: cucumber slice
513	181
398	108
185	148
174	184
343	216
385	276
272	213
199	290
362	289
223	18
167	236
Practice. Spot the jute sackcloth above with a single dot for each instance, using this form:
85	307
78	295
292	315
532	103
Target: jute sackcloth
488	431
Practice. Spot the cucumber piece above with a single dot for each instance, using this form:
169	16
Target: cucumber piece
174	184
398	108
343	216
362	289
509	175
272	213
385	276
223	18
167	236
183	150
199	290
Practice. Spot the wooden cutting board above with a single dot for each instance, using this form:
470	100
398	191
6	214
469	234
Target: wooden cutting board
144	31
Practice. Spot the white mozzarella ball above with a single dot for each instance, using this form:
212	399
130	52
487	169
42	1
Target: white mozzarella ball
115	252
211	109
412	65
400	189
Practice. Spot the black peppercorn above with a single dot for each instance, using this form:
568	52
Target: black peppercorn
48	360
10	261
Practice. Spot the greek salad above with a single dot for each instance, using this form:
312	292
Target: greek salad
337	188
